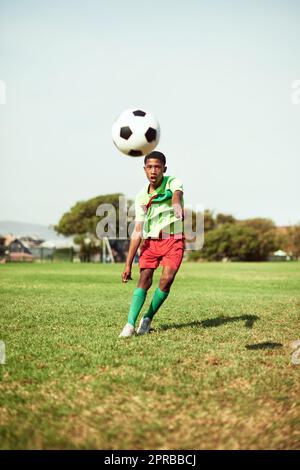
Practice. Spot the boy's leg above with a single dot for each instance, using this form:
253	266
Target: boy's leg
160	295
137	302
167	278
139	294
171	250
146	276
162	292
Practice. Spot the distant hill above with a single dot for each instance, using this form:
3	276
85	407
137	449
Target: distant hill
22	229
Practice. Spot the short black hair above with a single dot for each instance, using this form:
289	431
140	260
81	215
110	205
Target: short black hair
158	155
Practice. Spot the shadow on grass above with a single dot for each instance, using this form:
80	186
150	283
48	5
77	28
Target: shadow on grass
212	322
266	345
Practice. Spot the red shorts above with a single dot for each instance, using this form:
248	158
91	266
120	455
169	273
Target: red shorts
163	252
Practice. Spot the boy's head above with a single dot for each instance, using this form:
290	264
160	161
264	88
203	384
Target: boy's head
155	167
158	155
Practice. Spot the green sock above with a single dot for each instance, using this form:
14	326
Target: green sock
138	299
158	299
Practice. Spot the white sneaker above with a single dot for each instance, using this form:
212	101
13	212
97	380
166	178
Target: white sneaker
144	326
127	331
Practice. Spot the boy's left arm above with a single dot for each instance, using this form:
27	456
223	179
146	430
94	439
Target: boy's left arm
177	204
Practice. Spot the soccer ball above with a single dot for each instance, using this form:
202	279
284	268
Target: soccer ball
135	132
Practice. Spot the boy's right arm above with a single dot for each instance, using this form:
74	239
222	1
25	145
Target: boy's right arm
135	241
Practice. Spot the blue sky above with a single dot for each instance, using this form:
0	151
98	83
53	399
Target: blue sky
218	76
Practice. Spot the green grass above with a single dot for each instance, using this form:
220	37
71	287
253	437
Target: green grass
215	373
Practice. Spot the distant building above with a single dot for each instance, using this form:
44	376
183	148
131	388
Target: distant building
2	246
280	255
14	249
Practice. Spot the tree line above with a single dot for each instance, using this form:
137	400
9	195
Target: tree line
225	236
245	240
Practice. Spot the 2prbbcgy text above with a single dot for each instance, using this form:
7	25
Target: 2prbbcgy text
151	459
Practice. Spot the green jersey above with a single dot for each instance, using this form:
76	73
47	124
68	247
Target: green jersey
158	215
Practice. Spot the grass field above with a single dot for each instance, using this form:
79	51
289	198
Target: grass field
215	373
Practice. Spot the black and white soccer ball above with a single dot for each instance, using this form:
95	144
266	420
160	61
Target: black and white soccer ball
135	132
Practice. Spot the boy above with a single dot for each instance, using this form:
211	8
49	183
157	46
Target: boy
159	222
